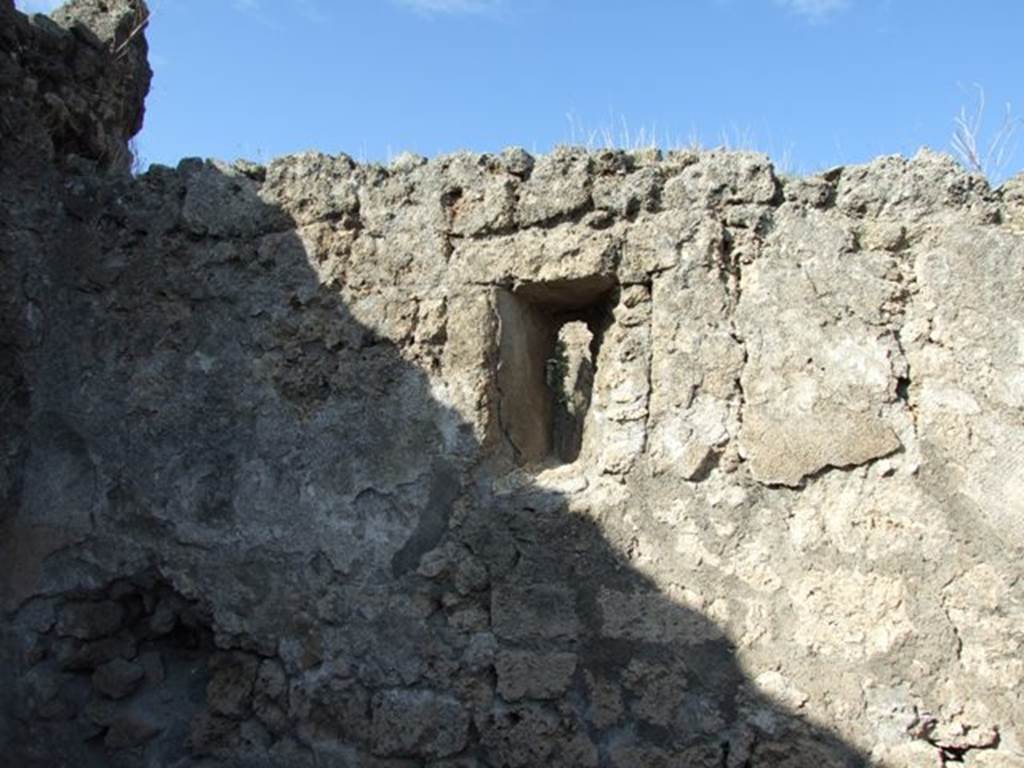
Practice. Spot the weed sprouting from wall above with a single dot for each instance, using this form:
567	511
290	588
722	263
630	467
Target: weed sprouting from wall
986	153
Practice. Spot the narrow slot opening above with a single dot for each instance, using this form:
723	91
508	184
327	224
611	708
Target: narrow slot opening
571	381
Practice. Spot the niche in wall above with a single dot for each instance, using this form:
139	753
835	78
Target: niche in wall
549	337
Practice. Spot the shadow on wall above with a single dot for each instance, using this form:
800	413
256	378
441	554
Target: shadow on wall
281	549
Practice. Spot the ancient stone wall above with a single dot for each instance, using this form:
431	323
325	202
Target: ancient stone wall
588	459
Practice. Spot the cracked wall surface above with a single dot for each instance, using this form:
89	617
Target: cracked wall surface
262	498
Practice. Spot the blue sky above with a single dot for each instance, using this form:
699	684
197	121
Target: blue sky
814	83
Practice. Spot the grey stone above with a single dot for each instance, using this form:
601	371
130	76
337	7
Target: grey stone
164	618
722	178
230	689
118	678
522	674
407	722
559	185
594	457
528	611
517	161
126	732
74	655
209	733
153	665
90	620
329	708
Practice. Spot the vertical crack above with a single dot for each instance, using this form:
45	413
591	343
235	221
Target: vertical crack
731	273
450	200
904	381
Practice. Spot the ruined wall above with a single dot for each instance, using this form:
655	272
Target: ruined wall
589	459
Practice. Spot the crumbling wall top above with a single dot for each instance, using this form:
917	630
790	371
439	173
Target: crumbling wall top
74	85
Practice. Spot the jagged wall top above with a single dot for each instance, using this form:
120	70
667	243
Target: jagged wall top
257	501
74	83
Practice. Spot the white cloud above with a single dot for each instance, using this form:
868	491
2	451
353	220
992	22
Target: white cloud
815	10
37	6
449	6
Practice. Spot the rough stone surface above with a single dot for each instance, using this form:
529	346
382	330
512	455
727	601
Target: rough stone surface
89	620
127	732
283	481
525	675
118	678
418	723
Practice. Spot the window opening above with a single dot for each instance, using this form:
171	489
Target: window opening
550	335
